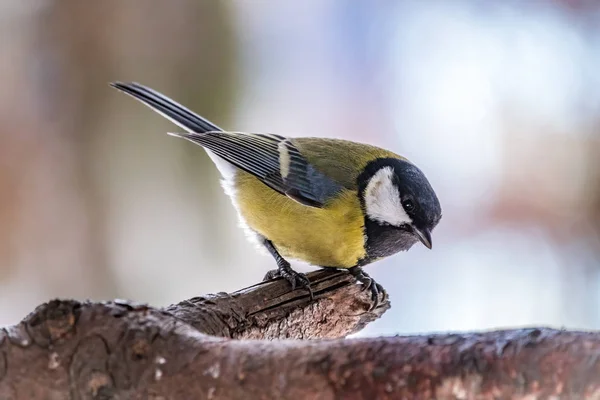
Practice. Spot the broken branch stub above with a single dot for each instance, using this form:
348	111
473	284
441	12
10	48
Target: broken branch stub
271	310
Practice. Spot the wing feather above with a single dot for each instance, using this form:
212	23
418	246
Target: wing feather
274	160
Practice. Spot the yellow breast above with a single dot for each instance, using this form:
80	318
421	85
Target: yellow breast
328	237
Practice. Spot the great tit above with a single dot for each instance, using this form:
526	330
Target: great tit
329	202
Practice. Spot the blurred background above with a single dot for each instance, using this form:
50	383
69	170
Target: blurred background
498	102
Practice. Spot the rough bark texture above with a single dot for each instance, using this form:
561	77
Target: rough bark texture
269	310
117	350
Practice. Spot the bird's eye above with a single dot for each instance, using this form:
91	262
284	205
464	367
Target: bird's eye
408	205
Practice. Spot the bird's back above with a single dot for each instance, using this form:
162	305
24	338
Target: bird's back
342	160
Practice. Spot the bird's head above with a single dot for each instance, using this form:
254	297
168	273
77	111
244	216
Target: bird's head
398	202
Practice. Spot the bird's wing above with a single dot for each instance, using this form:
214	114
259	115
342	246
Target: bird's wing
274	160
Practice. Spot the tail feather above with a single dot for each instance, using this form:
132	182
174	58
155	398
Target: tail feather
168	108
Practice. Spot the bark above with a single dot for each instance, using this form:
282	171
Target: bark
119	350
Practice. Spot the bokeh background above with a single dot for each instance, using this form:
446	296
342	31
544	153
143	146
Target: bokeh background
497	101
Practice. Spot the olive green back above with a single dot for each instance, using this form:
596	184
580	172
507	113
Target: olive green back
342	160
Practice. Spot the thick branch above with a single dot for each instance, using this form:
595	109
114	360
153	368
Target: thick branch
270	310
67	349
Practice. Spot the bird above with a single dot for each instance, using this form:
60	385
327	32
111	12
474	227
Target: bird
329	202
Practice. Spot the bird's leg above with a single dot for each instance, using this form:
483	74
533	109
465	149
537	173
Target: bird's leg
370	284
285	271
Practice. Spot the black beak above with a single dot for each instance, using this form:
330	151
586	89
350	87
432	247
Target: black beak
424	236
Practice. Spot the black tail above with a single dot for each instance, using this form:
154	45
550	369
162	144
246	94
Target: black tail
168	108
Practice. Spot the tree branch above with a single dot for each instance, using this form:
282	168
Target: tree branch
117	350
270	310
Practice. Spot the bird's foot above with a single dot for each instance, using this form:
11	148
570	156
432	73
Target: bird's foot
296	279
272	274
370	284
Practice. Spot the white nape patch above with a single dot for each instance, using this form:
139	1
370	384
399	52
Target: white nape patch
382	199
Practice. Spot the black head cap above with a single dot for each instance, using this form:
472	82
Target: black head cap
418	197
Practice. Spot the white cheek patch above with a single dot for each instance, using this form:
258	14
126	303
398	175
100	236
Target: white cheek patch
382	199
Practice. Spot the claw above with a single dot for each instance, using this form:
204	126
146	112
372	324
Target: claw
385	296
370	284
272	274
296	279
285	271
